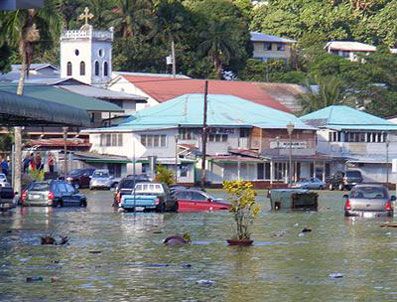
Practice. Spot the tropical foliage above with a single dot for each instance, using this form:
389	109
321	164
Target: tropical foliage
164	175
244	208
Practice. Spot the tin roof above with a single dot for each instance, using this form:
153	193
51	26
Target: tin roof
350	46
260	37
58	95
163	89
340	117
223	111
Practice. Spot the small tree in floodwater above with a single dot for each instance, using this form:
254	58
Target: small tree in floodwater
164	175
242	195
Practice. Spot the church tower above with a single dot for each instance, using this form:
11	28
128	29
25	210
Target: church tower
86	54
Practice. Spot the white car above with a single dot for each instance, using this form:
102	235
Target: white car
3	180
101	179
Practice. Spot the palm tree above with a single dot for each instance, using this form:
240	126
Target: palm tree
19	29
219	44
131	16
328	91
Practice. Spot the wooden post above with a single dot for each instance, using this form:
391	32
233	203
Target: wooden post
204	135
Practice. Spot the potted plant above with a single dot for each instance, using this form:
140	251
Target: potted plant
244	209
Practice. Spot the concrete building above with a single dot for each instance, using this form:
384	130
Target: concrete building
245	140
349	49
268	47
357	140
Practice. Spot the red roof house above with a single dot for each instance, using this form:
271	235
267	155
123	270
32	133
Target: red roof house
164	88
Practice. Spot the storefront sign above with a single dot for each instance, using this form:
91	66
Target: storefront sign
286	145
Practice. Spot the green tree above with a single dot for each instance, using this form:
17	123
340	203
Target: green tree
131	17
164	175
328	91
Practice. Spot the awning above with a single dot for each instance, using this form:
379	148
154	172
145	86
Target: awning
27	111
91	157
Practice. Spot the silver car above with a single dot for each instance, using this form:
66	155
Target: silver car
311	183
367	200
101	179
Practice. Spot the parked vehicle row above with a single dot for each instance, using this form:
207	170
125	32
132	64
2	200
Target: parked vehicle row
55	193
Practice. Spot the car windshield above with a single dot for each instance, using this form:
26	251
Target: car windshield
100	174
127	184
369	193
353	174
40	186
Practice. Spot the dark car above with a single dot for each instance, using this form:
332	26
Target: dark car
52	193
80	178
6	198
369	200
149	196
344	180
126	186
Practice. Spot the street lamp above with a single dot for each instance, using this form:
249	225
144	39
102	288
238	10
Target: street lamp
290	129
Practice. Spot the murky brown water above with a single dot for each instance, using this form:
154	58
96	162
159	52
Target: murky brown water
134	265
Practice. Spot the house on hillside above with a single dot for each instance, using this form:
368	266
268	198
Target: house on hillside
349	49
360	140
268	47
245	140
161	88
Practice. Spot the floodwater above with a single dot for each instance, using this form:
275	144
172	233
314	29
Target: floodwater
120	256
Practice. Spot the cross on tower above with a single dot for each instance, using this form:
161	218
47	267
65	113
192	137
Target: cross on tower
86	16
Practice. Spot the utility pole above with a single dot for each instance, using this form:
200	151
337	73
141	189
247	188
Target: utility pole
387	141
173	58
65	150
204	135
176	158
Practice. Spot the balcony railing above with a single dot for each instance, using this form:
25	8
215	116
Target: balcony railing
102	35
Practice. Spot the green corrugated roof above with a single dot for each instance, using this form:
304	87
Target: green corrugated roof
344	117
223	111
61	96
28	111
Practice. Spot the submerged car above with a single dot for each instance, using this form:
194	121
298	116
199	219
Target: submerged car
369	201
101	179
149	196
126	186
344	180
311	183
196	201
52	193
80	178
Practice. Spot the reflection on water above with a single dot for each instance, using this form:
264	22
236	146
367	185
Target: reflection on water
120	256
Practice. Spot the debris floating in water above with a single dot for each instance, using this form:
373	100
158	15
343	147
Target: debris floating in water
186	265
306	230
205	282
49	240
335	275
34	279
95	252
388	225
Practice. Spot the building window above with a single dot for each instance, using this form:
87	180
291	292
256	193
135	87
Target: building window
154	140
267	46
96	68
69	69
82	68
111	140
105	69
280	46
187	134
217	138
100	52
244	132
76	52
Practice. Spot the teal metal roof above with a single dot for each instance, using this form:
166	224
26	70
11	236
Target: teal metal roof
27	111
223	111
58	95
340	117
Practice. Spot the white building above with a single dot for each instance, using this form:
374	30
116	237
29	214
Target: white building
359	140
86	54
245	140
349	49
268	47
